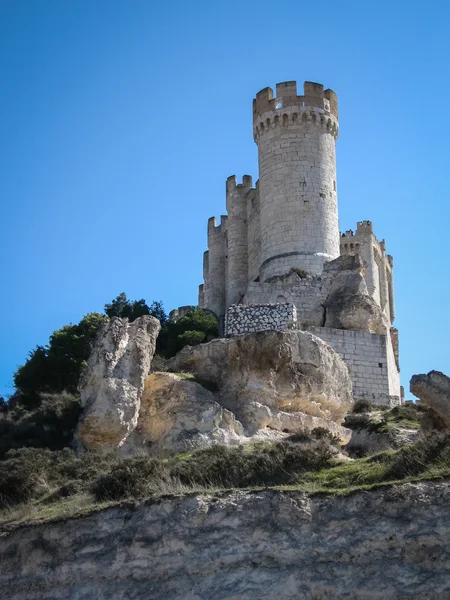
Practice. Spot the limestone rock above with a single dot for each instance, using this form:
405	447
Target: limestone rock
259	417
363	442
112	383
290	371
177	415
348	304
434	391
392	543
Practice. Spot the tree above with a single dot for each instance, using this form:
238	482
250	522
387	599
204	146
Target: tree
122	307
157	310
57	366
196	327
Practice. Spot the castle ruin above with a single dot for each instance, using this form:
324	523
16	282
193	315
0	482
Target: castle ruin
278	260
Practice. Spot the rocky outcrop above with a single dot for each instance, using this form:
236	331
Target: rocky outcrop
434	391
389	544
275	374
112	383
348	304
177	415
364	442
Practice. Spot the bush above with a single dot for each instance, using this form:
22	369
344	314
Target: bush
51	425
133	477
196	327
361	406
358	421
300	272
57	366
274	464
405	413
416	459
23	476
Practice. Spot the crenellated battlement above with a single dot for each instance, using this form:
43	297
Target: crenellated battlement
246	183
213	228
316	105
237	191
364	227
294	116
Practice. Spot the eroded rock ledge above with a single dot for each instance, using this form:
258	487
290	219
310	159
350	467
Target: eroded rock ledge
388	544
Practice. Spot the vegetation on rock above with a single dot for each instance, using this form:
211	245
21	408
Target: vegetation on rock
56	367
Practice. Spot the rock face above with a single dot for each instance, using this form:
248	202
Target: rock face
389	544
177	415
434	391
348	304
364	442
274	379
112	383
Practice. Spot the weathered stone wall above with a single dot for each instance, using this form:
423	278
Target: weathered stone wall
378	265
296	138
371	362
253	234
215	290
306	294
237	242
389	544
241	319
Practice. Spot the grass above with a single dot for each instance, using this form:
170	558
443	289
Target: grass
69	487
387	421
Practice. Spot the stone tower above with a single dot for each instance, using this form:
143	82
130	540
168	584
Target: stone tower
296	138
277	259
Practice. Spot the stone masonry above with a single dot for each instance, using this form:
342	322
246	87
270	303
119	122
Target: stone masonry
241	319
280	239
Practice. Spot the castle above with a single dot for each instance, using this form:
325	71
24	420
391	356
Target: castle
277	260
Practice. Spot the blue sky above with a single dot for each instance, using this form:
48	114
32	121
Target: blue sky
120	121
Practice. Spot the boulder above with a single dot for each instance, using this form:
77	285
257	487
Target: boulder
290	372
348	304
434	391
259	417
177	414
112	383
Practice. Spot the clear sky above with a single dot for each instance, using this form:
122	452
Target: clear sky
120	121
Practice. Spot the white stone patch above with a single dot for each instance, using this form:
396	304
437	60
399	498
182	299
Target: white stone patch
241	319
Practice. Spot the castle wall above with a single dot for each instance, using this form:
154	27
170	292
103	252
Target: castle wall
378	265
237	242
305	294
297	178
371	363
214	291
253	234
241	319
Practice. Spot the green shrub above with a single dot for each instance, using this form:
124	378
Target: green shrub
57	366
405	413
361	406
300	272
322	433
358	421
279	463
416	459
191	338
133	477
197	326
24	475
51	425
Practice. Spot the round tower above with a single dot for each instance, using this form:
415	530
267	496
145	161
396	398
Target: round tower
296	138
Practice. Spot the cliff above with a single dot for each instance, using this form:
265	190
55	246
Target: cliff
392	543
